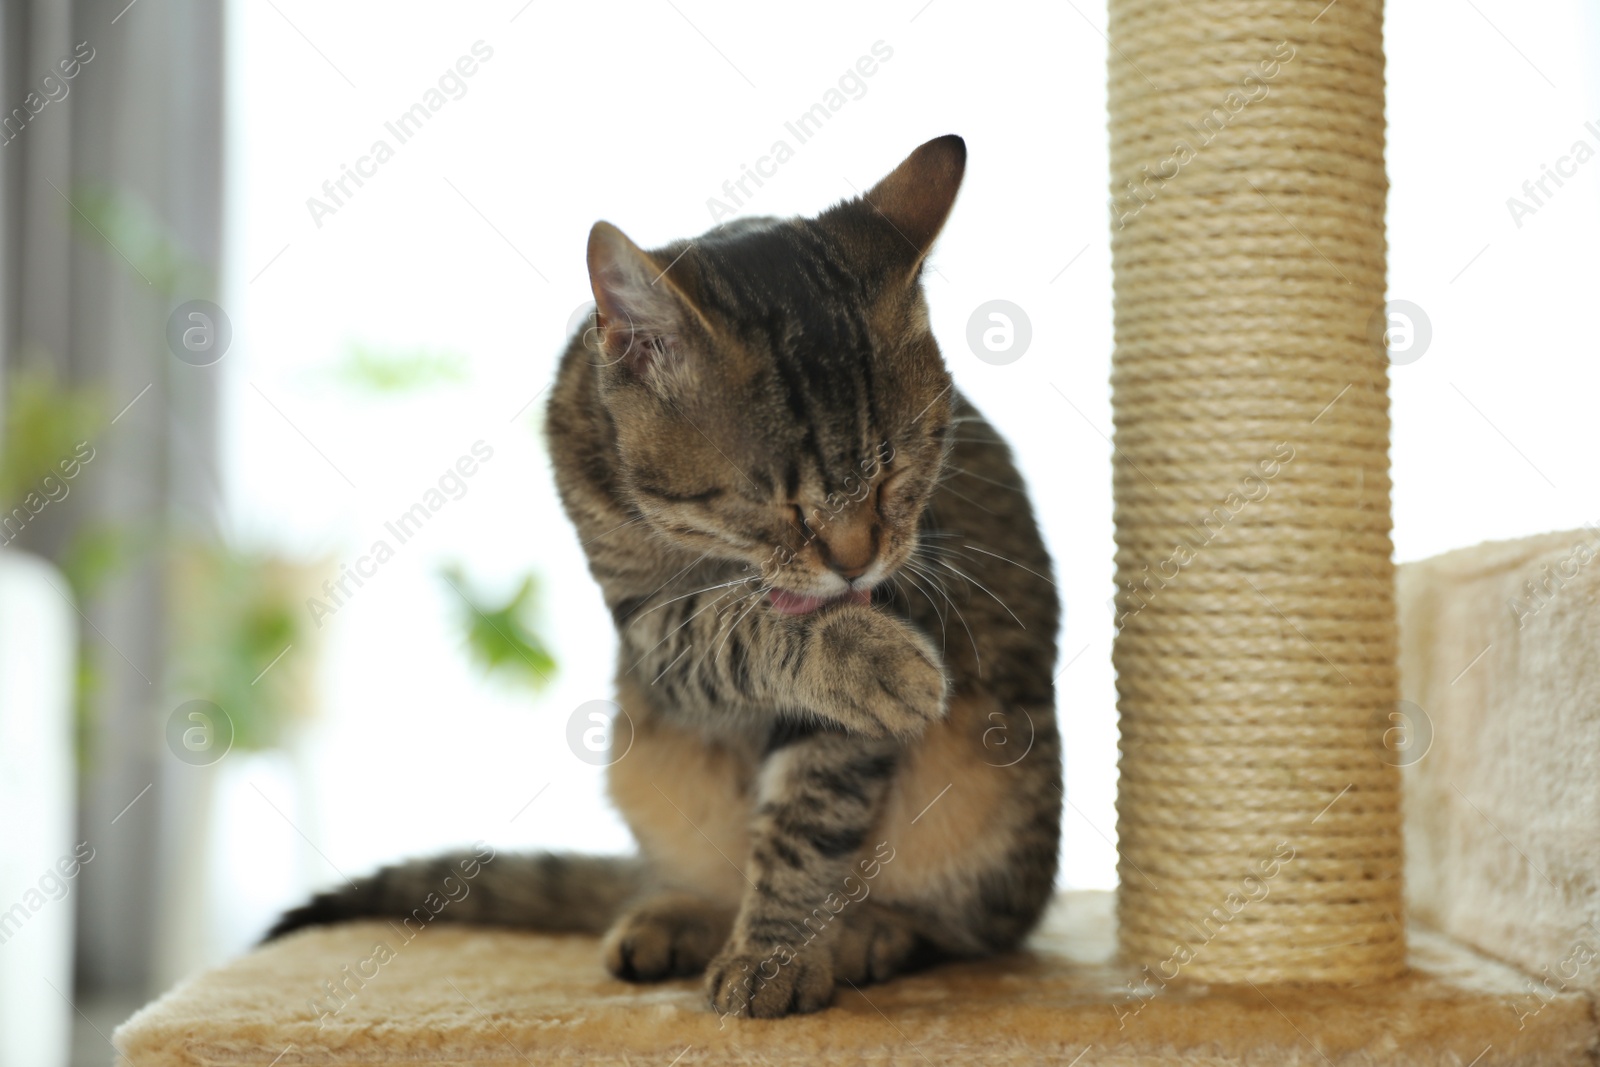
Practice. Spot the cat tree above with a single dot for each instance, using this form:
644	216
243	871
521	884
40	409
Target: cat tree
1259	825
1260	916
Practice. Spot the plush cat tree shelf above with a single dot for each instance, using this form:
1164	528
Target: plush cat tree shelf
462	996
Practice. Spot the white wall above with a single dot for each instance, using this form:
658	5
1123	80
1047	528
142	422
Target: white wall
1479	103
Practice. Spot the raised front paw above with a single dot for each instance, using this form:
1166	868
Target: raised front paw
769	985
874	674
666	937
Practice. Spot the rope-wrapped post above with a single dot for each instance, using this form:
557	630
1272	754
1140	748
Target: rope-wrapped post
1258	814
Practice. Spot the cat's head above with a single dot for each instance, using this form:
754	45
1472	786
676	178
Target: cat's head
777	396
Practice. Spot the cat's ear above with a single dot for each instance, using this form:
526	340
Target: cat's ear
917	196
643	314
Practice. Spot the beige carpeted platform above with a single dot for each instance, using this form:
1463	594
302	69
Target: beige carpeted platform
462	996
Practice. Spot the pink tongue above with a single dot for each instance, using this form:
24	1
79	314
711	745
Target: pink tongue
798	604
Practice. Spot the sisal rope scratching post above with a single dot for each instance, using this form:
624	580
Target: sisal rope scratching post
1258	817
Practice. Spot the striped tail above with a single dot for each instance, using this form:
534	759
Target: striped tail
553	892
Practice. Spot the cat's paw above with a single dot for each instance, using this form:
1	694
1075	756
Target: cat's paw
668	937
873	946
769	985
875	674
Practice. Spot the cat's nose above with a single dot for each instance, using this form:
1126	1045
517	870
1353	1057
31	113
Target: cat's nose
850	573
849	548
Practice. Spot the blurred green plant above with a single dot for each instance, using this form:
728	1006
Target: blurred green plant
384	371
45	422
98	552
500	636
135	235
242	638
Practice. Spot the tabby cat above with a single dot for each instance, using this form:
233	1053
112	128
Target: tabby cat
835	617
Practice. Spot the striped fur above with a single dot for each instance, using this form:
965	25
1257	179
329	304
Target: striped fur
835	616
558	893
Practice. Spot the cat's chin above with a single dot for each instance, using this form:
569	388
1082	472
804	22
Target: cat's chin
787	603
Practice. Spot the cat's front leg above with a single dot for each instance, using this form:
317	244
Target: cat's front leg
818	799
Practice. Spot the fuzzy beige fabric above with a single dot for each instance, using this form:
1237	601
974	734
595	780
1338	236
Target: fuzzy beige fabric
1500	648
472	996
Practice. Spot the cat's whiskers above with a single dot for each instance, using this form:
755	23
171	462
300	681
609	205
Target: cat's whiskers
697	592
662	672
731	611
674	577
1008	559
958	572
755	603
919	556
943	486
934	581
981	478
673	631
725	610
631	522
680	572
927	595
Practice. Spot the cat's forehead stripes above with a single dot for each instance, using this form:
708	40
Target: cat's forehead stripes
790	295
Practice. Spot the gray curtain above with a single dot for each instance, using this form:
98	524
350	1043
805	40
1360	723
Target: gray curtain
112	214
